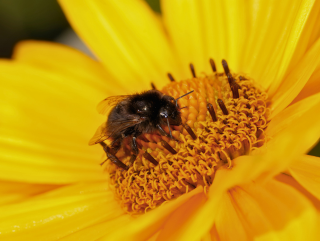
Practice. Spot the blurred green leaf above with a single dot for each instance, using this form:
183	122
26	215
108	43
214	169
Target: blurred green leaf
315	151
29	19
155	5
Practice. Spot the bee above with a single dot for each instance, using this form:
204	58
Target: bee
130	116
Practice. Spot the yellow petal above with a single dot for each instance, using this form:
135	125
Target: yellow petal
207	237
289	180
306	35
97	231
302	219
148	224
206	29
315	33
273	211
154	237
67	61
264	212
214	234
195	228
298	137
228	224
175	224
272	158
274	38
295	81
54	216
289	138
46	122
306	170
134	49
285	117
312	87
14	192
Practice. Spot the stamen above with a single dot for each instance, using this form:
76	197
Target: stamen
234	86
139	145
190	131
230	79
213	65
235	91
212	112
225	67
170	77
150	158
153	86
168	147
193	71
223	107
142	137
169	128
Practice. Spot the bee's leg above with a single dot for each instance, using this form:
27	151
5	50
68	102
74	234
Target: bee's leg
169	129
127	147
116	145
162	132
116	161
134	145
112	157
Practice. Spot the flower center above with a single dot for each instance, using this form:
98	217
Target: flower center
225	117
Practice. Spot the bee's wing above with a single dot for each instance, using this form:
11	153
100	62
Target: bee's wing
120	125
108	103
103	134
100	135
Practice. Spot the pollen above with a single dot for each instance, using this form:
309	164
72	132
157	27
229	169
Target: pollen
225	117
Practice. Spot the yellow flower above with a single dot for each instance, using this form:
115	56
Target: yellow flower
51	184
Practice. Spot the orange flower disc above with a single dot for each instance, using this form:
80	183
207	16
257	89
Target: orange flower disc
227	116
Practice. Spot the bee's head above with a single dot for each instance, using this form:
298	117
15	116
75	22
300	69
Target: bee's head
169	110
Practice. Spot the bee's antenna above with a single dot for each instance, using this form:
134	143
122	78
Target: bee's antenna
182	96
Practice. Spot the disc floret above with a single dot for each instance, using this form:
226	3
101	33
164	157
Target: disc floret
226	117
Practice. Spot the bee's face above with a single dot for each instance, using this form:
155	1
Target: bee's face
170	111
